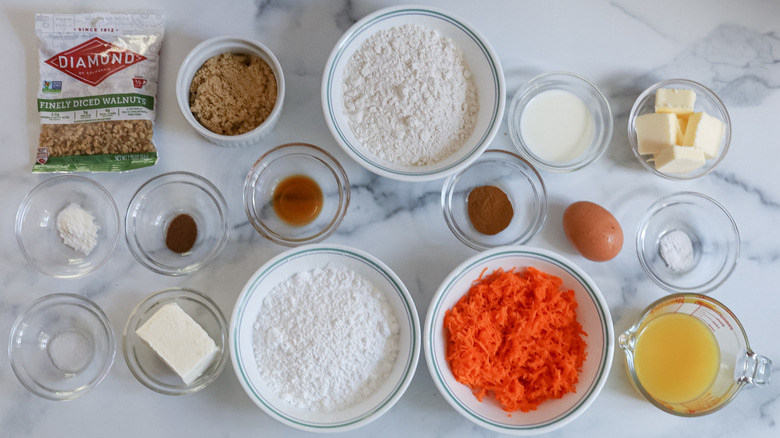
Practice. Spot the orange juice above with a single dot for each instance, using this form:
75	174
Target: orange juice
676	358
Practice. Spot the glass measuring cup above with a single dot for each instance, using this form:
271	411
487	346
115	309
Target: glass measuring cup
738	364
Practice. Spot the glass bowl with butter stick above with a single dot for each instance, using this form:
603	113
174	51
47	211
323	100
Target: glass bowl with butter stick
679	129
174	341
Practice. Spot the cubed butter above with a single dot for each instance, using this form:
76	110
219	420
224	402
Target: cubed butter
672	100
682	123
179	341
655	132
679	159
704	132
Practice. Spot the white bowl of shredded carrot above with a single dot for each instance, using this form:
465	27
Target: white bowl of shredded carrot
519	340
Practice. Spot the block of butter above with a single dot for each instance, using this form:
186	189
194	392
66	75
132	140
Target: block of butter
671	100
704	132
679	159
179	341
655	132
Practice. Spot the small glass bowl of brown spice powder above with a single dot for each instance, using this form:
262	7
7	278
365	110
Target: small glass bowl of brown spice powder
176	223
498	200
231	90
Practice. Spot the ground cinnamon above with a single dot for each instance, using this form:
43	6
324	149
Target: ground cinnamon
182	234
490	210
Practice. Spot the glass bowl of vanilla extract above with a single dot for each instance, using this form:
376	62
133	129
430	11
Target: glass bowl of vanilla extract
295	194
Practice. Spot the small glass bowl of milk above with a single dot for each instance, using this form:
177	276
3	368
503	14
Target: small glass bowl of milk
560	122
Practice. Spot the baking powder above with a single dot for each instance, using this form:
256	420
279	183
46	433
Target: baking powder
409	96
325	339
77	228
677	250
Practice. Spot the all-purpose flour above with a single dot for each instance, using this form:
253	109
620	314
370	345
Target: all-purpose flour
325	339
409	96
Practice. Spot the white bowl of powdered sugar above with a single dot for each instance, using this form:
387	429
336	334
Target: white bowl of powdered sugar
325	338
413	93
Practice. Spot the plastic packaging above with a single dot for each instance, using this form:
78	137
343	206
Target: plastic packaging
98	89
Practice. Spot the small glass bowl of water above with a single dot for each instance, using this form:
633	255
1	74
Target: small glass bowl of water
560	122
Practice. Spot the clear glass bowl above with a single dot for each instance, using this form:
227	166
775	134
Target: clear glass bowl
289	160
147	366
706	100
36	226
157	203
713	234
514	176
594	100
62	346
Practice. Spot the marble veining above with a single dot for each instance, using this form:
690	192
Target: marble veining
742	65
622	46
765	199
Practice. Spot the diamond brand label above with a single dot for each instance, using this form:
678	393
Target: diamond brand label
94	60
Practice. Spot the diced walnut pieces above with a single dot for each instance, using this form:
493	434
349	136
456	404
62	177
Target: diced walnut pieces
95	138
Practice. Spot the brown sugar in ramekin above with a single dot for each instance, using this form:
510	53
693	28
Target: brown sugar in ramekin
232	94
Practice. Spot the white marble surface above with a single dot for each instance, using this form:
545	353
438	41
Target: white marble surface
734	47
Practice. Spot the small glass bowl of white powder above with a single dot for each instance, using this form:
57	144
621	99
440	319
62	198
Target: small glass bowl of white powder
67	226
688	242
62	346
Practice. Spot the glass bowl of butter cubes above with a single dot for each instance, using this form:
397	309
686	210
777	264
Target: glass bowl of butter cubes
174	341
679	129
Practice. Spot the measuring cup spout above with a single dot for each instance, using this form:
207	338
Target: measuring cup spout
754	368
627	341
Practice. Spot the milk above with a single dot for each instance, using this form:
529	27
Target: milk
557	126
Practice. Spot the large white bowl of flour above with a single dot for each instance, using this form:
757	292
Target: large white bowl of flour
325	338
413	93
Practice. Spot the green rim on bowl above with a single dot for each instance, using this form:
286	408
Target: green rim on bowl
330	107
239	348
433	332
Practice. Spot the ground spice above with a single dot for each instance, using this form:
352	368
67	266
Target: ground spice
490	210
182	234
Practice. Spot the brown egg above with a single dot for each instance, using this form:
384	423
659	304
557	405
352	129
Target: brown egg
593	231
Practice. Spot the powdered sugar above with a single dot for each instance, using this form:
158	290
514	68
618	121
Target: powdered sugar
409	96
325	339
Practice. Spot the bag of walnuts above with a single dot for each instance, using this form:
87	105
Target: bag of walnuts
98	90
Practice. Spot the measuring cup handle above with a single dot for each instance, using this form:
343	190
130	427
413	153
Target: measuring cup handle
754	368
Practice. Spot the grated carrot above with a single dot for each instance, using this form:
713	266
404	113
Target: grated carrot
516	335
